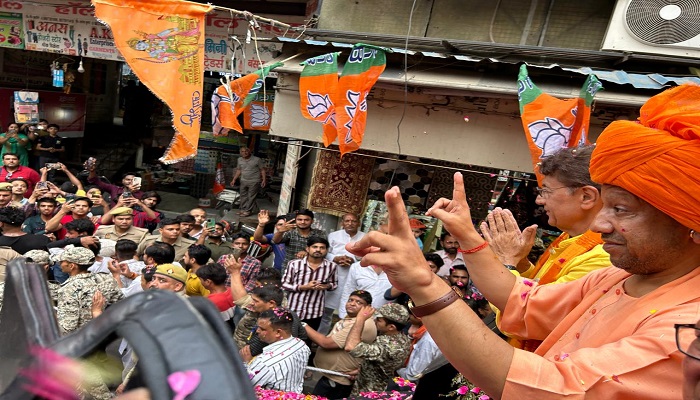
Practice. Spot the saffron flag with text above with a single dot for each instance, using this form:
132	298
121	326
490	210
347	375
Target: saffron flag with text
162	41
230	99
318	84
361	71
552	124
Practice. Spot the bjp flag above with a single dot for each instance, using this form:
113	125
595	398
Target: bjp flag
360	73
318	85
230	99
552	124
162	41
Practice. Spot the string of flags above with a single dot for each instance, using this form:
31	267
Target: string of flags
162	41
340	103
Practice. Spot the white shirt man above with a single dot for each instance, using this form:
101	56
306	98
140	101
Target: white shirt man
282	363
344	260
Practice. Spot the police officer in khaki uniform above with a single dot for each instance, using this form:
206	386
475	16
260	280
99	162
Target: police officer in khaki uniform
123	227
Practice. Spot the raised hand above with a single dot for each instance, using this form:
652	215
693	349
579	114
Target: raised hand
288	226
67	207
232	265
263	217
455	213
365	313
98	304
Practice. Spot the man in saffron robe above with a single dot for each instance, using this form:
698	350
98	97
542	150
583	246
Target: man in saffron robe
609	334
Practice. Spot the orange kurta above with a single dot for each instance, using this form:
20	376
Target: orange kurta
600	342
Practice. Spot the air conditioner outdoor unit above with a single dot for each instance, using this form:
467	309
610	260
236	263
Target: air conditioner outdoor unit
664	27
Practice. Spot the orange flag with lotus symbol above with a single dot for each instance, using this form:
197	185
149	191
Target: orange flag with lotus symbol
552	124
318	84
231	98
361	71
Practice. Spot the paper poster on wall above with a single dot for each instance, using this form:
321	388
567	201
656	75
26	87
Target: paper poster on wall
11	30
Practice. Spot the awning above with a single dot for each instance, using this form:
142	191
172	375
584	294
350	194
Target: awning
466	80
482	83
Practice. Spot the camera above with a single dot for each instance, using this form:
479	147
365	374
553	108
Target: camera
53	166
126	194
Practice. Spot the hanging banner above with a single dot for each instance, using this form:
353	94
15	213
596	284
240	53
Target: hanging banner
163	41
552	124
360	73
71	29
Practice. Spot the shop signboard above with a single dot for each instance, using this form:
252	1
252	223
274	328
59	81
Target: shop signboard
11	30
71	29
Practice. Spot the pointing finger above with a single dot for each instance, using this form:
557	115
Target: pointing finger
398	218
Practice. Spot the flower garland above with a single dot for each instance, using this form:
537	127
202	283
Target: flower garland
269	394
466	390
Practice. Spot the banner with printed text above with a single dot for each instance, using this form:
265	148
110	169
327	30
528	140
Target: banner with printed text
552	124
70	28
163	42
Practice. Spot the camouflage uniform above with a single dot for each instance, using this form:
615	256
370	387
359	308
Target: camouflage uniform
380	360
75	298
244	328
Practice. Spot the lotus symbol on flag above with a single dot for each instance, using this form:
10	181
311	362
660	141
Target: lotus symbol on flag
550	135
318	104
259	115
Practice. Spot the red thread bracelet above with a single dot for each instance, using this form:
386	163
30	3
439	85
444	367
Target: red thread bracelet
475	249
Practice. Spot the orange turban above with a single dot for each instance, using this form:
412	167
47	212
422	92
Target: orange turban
657	158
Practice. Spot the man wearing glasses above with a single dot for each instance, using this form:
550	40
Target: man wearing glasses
571	200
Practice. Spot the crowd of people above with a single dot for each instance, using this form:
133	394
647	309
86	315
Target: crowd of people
608	311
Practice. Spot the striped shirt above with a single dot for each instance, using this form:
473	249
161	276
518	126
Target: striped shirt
308	304
281	365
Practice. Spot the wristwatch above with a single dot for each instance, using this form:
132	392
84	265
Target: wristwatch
511	267
434	306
